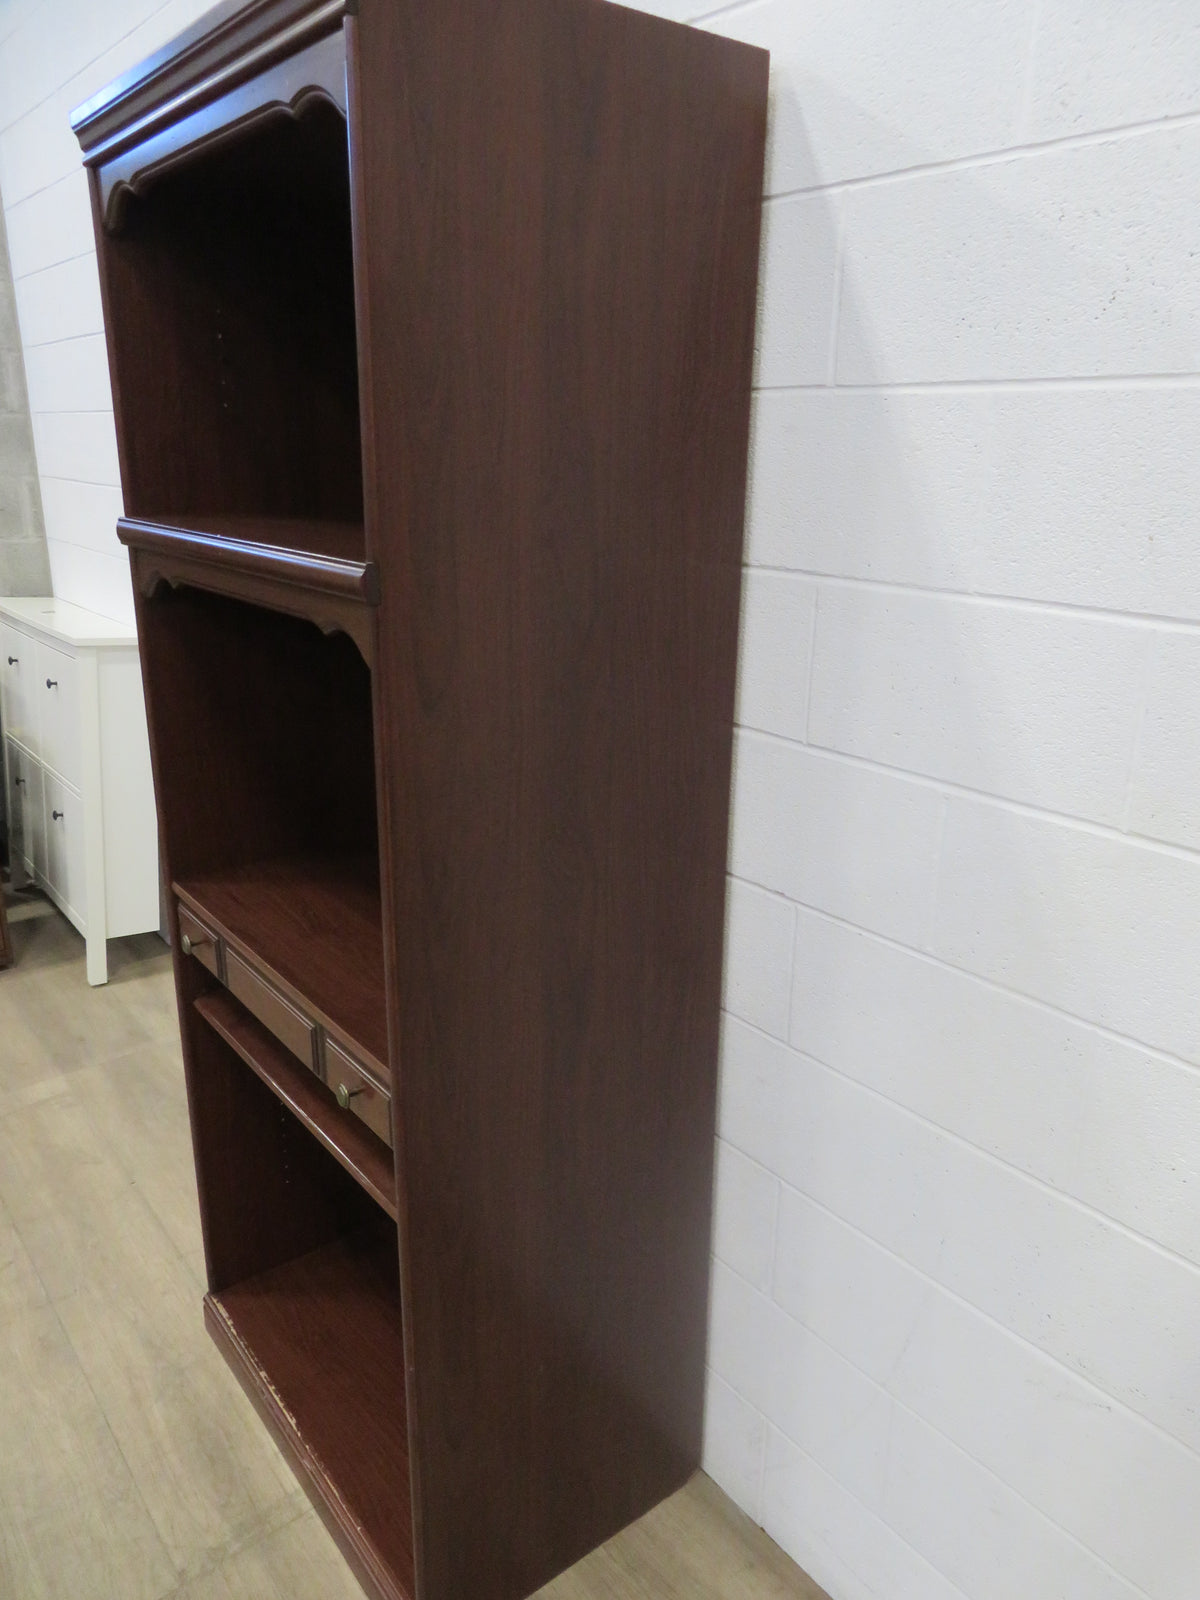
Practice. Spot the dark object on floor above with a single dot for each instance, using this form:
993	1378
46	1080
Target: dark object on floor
6	951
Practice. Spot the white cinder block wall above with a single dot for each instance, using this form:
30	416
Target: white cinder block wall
955	1341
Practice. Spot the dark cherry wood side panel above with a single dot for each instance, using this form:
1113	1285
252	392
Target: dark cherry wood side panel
557	205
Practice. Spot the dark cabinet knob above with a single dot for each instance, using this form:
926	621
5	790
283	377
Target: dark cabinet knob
20	782
13	661
57	814
52	683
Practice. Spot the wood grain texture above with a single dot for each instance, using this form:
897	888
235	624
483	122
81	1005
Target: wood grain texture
317	1345
541	302
130	163
357	1149
260	733
229	43
557	208
312	923
229	304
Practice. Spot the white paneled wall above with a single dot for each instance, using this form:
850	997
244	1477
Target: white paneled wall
955	1342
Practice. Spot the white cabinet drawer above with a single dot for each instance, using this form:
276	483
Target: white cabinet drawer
18	674
57	692
66	869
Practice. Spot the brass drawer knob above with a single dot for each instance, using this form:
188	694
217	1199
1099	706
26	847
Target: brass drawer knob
189	946
344	1095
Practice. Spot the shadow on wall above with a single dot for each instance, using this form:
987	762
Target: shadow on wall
24	562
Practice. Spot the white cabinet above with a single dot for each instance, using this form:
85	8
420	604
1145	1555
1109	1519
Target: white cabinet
77	768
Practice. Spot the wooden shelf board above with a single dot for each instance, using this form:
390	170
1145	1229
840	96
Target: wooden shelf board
317	1344
316	926
312	553
362	1153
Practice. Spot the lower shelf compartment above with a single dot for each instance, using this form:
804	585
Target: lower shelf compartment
317	1345
363	1155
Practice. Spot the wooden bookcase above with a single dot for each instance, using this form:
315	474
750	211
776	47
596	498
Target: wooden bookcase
431	332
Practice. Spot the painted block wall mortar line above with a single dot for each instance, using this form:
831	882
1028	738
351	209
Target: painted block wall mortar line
1100	830
1072	1202
1100	1397
901	1406
993	158
1158	622
1061	385
111	44
992	984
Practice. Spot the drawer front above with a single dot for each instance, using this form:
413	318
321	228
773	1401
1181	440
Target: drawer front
18	674
66	860
356	1090
195	939
57	692
291	1027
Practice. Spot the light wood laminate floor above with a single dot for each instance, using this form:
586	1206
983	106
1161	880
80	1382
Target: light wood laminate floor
131	1465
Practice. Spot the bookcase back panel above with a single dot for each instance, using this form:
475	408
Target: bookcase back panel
230	304
261	731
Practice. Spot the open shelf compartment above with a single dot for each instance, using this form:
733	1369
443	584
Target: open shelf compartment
317	1344
236	270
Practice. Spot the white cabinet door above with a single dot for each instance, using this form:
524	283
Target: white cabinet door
66	862
57	692
18	674
21	802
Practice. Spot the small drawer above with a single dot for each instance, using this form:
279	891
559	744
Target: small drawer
291	1027
356	1090
197	940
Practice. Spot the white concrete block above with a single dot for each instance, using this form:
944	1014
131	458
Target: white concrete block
1111	1124
848	840
1104	66
1036	706
1083	495
734	1440
81	445
51	226
774	651
39	149
796	290
87	578
859	88
1118	1485
1102	1303
974	1529
83	514
1104	928
69	375
746	1198
758	956
1165	797
62	302
824	1405
1072	262
835	1539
